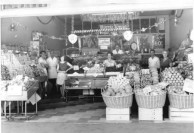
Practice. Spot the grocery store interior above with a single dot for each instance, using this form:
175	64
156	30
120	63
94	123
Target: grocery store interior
87	66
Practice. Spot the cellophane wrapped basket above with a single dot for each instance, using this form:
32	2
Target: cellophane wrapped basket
118	101
150	101
181	101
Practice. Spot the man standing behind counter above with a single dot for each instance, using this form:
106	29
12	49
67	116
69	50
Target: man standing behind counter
52	72
153	61
117	50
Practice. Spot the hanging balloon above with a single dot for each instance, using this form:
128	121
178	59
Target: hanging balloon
128	35
72	38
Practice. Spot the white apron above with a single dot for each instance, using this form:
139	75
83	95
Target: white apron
61	77
52	70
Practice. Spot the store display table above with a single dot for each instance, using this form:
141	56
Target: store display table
90	81
25	96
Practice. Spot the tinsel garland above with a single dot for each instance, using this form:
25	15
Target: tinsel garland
109	17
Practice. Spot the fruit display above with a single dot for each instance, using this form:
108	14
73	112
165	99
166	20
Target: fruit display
146	79
133	77
28	71
96	69
177	90
5	73
132	67
118	86
173	77
186	70
153	90
23	81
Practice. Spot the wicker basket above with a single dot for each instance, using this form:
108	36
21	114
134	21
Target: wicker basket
118	101
181	101
149	101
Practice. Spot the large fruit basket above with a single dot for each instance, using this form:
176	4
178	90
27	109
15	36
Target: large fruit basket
179	98
151	101
118	101
181	101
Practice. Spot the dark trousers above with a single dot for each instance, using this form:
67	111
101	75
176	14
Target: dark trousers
42	89
53	91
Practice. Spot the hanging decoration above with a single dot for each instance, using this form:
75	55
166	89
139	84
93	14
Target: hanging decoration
52	18
101	30
111	17
128	35
72	38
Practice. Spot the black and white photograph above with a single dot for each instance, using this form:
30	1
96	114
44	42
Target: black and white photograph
96	66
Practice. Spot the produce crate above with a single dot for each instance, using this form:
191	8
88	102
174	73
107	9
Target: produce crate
176	114
118	114
150	114
181	101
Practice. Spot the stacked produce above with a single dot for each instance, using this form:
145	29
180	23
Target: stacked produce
153	90
186	70
118	86
5	73
28	71
96	69
146	78
132	67
24	82
178	90
133	77
173	77
154	74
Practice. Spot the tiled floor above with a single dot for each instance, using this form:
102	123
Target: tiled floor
91	112
83	116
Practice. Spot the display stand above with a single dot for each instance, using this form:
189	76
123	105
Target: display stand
119	114
26	95
176	114
150	114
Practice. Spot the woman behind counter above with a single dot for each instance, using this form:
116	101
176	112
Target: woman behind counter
165	61
62	68
109	63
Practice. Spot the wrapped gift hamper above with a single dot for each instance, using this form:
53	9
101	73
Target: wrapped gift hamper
118	97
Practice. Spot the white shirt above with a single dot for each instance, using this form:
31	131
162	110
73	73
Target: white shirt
154	62
42	61
117	52
52	70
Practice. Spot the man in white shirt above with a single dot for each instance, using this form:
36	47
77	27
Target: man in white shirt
117	50
153	61
52	72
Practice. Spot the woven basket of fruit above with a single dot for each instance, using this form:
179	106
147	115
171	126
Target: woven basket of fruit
118	93
179	98
150	98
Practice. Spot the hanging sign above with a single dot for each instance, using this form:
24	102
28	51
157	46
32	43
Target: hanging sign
103	41
128	35
72	38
